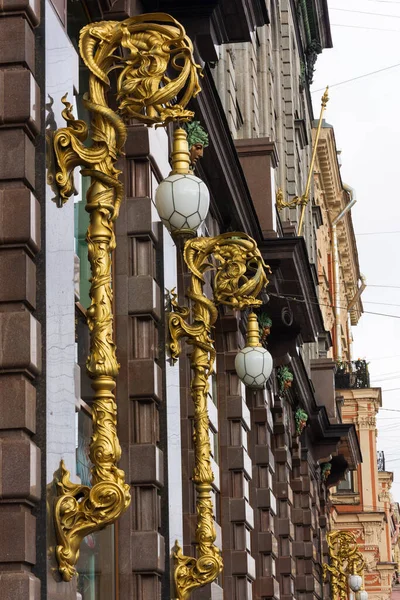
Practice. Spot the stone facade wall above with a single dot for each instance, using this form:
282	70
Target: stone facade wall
141	397
259	85
22	432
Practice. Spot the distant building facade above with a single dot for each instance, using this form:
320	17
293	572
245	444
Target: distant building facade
362	502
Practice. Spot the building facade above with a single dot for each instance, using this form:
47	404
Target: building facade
340	281
362	502
275	452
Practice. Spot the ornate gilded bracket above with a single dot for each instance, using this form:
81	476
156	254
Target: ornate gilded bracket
303	200
281	203
142	49
239	278
345	560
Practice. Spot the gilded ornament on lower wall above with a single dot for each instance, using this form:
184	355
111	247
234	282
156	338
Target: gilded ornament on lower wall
345	559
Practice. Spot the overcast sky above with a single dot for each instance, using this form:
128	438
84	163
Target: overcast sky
365	117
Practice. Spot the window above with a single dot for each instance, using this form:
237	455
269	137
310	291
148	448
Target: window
347	485
214	445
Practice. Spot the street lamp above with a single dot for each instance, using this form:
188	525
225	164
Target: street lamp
146	51
346	565
355	582
182	199
239	277
157	77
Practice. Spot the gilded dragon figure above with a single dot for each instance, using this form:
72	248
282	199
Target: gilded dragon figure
239	278
141	50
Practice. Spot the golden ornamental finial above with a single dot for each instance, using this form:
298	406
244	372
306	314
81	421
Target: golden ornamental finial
325	97
253	331
304	198
180	156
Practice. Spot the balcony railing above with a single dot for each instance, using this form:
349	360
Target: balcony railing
352	375
380	456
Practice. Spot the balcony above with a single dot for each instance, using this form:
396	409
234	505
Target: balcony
380	457
352	375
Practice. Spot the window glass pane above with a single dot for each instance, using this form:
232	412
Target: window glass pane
347	483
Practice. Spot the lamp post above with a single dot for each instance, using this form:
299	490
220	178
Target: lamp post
239	278
346	566
235	255
142	49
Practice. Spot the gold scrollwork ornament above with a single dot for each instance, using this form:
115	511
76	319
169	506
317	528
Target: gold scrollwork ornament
149	46
239	279
345	559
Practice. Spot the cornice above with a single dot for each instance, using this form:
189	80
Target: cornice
362	395
214	22
335	198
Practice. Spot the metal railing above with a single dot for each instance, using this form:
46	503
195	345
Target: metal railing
352	375
380	457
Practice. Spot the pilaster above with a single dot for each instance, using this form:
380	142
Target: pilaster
140	390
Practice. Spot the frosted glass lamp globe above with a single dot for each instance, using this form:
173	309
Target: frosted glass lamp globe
355	582
182	201
254	366
253	363
362	595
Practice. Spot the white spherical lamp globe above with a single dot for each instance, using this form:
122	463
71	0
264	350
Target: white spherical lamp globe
182	202
362	595
355	582
253	363
254	366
